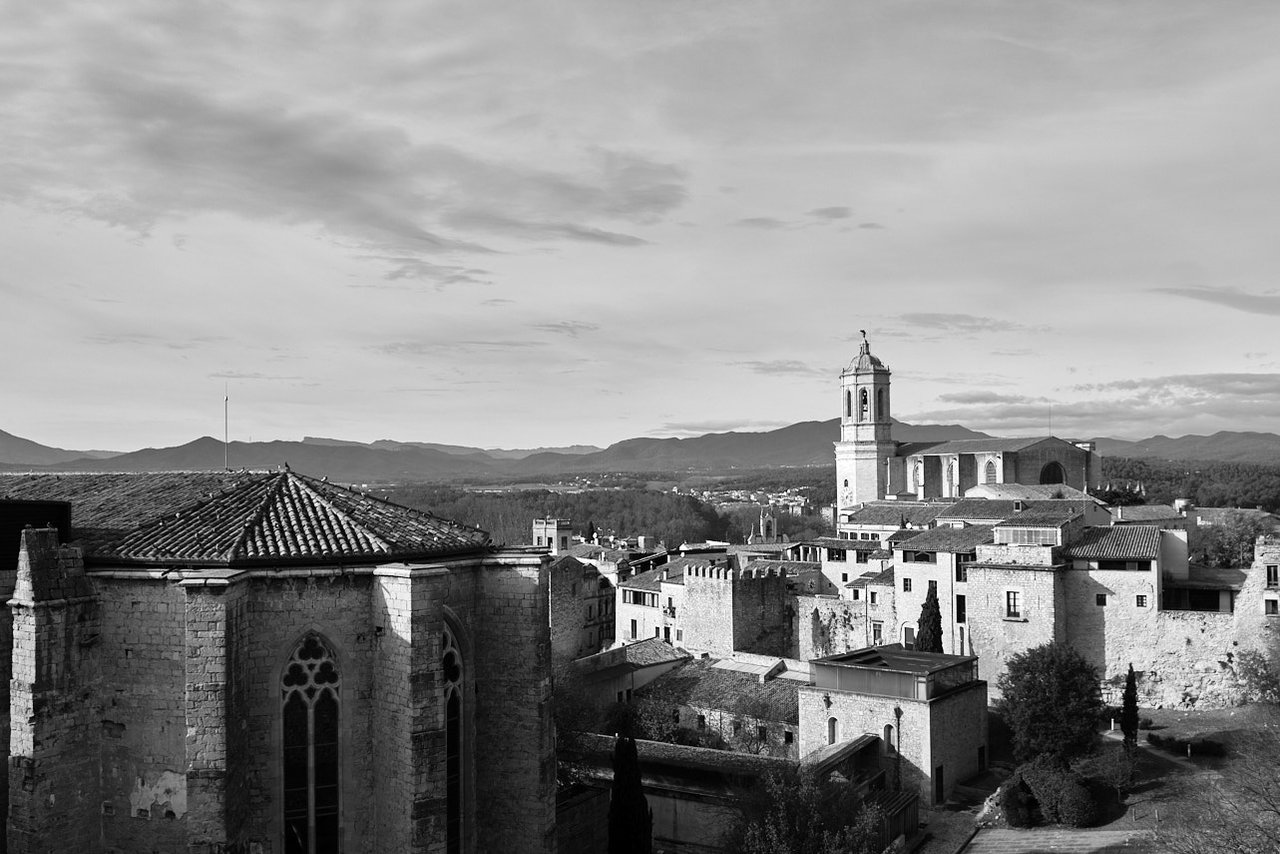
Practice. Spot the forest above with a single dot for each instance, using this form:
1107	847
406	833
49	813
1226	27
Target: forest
668	517
1207	484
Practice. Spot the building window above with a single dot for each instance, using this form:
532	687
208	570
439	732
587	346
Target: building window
310	694
962	570
1100	599
989	472
833	730
1273	575
933	587
762	734
679	635
737	727
855	594
874	596
451	672
633	630
1272	607
590	613
1142	600
787	736
1013	604
862	405
844	578
909	637
961	611
657	631
702	721
877	633
861	557
836	555
539	540
906	585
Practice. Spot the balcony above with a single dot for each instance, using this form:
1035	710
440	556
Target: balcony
669	611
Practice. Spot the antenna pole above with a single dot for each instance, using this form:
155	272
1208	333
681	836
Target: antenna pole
226	404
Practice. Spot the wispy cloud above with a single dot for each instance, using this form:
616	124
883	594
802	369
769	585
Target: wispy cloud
572	328
249	375
1254	303
765	222
686	429
835	212
784	367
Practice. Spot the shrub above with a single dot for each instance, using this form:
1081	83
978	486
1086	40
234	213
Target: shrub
1016	803
1076	806
1145	723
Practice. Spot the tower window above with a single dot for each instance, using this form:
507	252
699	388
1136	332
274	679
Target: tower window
309	693
881	409
848	404
862	405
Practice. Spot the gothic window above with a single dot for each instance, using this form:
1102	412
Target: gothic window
989	475
881	414
451	673
310	704
862	405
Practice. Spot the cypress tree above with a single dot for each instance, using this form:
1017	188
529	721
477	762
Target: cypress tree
1129	711
630	819
929	626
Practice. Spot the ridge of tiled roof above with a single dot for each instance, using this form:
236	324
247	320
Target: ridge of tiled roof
1052	517
978	446
1000	509
651	651
949	539
277	517
1122	542
699	683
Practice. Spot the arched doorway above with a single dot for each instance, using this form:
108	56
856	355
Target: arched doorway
1053	473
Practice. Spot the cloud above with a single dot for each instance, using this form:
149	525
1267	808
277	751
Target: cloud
687	429
837	212
957	324
784	367
147	339
1263	303
870	225
989	397
572	328
496	223
433	347
442	275
243	375
766	222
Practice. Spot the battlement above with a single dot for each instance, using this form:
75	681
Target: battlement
699	572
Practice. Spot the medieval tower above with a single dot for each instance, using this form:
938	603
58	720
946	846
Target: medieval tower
866	446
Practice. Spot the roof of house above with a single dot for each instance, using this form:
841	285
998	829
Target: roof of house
895	656
786	567
838	543
1041	517
883	577
651	651
900	513
274	517
1144	513
701	684
1124	542
998	510
949	539
1209	578
1028	492
593	551
651	579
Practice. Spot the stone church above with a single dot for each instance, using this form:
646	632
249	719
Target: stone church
871	466
266	663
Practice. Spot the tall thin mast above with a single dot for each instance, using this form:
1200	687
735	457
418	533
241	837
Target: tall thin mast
226	403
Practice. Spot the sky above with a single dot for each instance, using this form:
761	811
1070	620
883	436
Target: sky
506	224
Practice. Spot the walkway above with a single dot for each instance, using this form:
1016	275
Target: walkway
1051	840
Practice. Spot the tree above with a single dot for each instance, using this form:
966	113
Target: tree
797	813
1051	700
1236	812
929	626
1129	711
1229	543
630	819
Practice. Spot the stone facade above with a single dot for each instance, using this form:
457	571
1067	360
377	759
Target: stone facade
148	715
582	610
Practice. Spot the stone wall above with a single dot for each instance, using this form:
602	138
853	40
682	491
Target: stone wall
958	733
995	636
582	820
708	609
825	625
762	613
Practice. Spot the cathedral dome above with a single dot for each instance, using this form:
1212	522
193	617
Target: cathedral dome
864	362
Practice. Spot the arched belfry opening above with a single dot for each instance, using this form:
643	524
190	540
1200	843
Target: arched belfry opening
862	405
1053	473
882	405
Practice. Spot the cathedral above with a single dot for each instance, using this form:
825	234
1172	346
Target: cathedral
266	663
870	466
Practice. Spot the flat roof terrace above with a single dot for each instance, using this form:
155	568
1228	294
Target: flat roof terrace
895	671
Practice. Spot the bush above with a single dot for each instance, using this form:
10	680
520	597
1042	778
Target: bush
1077	807
1016	802
1061	795
1145	723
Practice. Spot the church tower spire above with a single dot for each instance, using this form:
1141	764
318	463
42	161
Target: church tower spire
866	444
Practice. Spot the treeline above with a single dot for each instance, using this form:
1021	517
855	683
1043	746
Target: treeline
665	516
1208	484
508	516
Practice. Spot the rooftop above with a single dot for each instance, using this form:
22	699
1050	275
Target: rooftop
979	446
224	520
964	539
710	684
998	510
1122	542
895	656
897	513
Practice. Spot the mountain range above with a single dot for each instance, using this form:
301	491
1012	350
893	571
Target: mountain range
807	443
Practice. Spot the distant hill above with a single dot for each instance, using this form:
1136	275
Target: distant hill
1225	446
19	451
807	443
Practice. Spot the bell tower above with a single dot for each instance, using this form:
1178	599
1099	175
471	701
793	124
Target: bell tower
865	446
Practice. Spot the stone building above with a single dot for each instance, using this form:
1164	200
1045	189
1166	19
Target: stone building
870	465
267	662
929	711
582	603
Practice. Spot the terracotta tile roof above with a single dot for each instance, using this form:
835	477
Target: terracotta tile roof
980	446
1040	518
998	510
701	684
895	512
277	517
949	539
1144	513
1123	542
651	579
895	656
847	545
651	651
